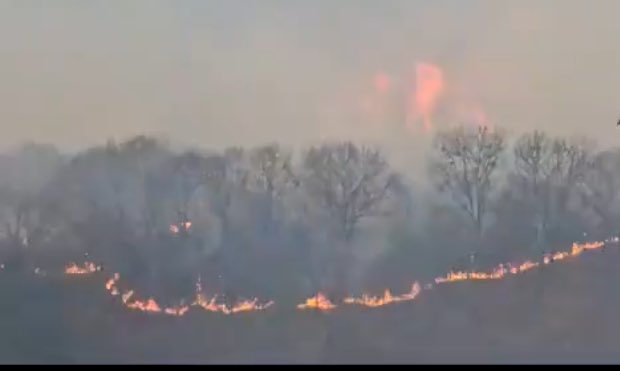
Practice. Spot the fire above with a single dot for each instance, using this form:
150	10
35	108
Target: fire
126	296
176	228
503	269
212	305
388	298
322	303
319	301
177	311
452	277
87	268
576	250
149	305
526	266
110	284
429	86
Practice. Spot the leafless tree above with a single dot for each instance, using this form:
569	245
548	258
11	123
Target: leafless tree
350	182
601	188
346	184
570	160
533	155
549	171
271	174
463	165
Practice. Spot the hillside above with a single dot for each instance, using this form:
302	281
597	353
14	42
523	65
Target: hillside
565	312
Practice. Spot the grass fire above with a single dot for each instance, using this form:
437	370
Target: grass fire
319	182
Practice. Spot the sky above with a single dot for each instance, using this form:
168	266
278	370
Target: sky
216	73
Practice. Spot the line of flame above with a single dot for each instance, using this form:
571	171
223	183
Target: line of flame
322	303
86	268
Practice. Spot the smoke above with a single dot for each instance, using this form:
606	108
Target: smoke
231	73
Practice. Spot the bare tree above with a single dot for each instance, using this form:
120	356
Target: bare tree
350	182
346	184
271	174
463	166
550	172
534	154
601	189
570	161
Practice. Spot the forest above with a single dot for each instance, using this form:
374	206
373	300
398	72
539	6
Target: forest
271	223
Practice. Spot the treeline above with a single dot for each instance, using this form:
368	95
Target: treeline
335	217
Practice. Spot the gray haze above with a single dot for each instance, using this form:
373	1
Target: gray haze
238	72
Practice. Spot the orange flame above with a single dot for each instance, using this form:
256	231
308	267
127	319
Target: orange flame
388	298
322	303
87	268
503	269
110	284
429	86
211	304
319	301
149	305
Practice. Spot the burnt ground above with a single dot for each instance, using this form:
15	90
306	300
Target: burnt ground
564	313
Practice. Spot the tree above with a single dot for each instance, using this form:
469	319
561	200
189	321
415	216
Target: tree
570	161
534	155
601	189
463	165
271	175
26	218
349	182
551	172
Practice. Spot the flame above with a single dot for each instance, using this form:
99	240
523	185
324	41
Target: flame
388	298
149	305
176	228
177	311
126	296
319	301
212	305
322	303
503	269
576	250
87	268
110	284
429	86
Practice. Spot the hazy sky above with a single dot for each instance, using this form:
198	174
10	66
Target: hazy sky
76	72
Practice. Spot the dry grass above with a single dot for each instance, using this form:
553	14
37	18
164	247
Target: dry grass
563	313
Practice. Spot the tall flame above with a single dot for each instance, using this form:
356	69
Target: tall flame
429	87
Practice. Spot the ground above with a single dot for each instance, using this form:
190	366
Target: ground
561	313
